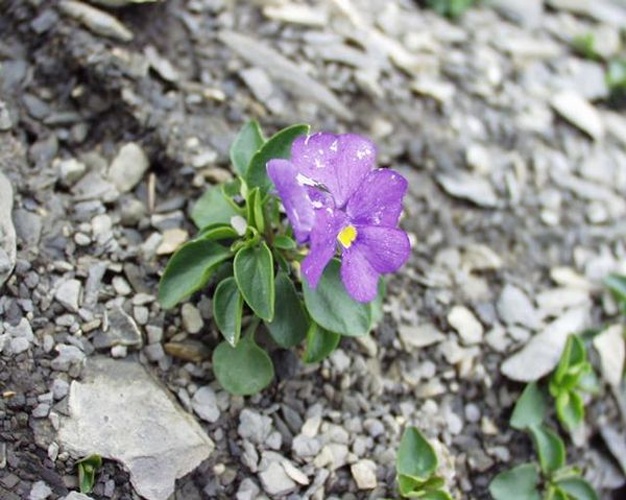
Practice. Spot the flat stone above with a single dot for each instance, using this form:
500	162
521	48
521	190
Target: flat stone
173	238
276	481
122	330
611	349
204	403
554	301
39	491
469	187
95	20
515	308
543	351
192	320
364	474
253	426
128	167
75	495
418	336
68	294
527	13
576	110
122	413
68	356
466	324
8	250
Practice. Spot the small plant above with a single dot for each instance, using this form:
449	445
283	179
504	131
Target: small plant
585	45
616	283
87	469
294	246
572	376
416	465
552	478
450	8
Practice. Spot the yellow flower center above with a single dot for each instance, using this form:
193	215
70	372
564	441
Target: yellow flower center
347	236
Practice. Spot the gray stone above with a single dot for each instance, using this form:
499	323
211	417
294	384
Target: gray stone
611	349
576	110
276	481
96	20
254	426
28	227
120	412
204	404
128	167
75	495
364	474
465	323
122	330
68	356
515	308
7	230
248	490
528	13
5	118
469	187
39	491
68	294
70	171
542	353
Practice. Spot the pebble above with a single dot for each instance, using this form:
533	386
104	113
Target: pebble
364	474
276	481
171	240
68	294
610	347
191	318
576	110
7	230
128	167
204	404
39	491
70	171
469	187
254	426
465	323
96	20
68	356
154	352
515	308
418	336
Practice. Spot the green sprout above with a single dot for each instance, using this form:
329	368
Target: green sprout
87	469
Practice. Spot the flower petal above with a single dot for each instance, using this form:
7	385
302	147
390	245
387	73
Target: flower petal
378	201
358	275
323	244
339	162
294	196
385	248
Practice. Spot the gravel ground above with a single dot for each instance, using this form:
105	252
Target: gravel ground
113	119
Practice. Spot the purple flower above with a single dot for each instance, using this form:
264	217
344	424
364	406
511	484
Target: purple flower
335	197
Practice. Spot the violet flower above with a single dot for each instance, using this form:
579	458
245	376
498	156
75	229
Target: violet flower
336	198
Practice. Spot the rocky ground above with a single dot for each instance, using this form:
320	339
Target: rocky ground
112	121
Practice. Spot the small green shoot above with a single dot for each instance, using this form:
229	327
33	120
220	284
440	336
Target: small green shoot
416	465
87	469
450	8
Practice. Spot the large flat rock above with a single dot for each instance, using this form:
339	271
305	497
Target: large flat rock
121	412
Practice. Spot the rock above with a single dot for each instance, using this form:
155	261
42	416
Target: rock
20	337
122	330
172	239
8	250
616	443
5	118
528	13
469	187
417	336
515	308
39	491
576	110
204	403
120	412
553	302
254	426
75	495
68	355
68	294
96	20
284	71
542	353
162	66
258	82
128	167
611	349
297	14
276	481
121	3
70	171
192	320
364	474
248	490
28	227
465	323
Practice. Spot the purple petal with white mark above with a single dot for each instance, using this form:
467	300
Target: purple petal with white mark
378	201
339	162
328	223
385	248
358	275
294	196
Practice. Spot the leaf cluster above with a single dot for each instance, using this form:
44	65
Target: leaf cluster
551	478
416	465
246	251
450	8
87	469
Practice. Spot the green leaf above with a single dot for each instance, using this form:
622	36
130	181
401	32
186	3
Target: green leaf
577	489
519	483
436	495
416	457
616	283
213	207
242	370
254	210
189	269
332	308
290	323
248	141
254	272
530	408
571	362
319	343
283	242
570	409
87	468
550	448
227	310
217	232
278	146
